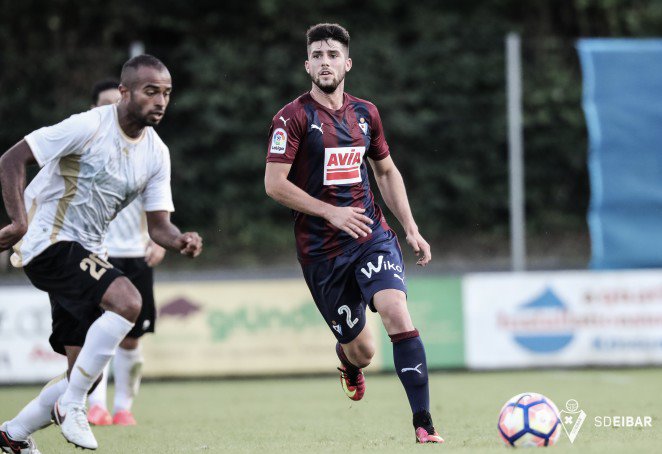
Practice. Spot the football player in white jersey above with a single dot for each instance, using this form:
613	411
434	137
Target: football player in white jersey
93	164
130	250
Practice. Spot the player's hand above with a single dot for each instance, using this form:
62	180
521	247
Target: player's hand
350	220
11	234
420	247
154	254
191	244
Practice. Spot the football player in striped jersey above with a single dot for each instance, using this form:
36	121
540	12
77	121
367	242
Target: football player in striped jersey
318	148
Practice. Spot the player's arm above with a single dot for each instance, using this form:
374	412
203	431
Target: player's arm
349	219
392	187
12	180
166	234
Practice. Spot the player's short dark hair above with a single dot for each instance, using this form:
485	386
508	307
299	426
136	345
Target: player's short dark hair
323	32
137	62
103	85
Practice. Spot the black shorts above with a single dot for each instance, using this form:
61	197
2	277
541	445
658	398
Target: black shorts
142	277
343	286
75	280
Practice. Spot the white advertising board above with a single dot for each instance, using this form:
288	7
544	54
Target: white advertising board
563	319
25	324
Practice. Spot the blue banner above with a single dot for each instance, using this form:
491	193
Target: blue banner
623	106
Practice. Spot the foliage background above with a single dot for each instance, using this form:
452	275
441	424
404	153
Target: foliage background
434	69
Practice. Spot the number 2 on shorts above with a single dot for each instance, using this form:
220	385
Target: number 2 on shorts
348	313
96	266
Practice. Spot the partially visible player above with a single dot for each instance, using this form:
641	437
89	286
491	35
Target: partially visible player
93	165
316	165
130	250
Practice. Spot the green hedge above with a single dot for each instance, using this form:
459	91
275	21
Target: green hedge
435	69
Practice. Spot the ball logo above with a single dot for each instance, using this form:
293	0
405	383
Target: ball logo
278	141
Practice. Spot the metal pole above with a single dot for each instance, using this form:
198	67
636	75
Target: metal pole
136	48
515	152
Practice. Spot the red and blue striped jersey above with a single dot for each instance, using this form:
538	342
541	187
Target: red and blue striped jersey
327	150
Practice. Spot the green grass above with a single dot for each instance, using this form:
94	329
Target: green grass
311	415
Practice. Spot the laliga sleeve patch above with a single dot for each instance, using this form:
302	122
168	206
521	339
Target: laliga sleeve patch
278	141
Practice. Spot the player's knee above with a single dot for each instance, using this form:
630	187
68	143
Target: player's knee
362	361
365	360
134	304
123	299
368	350
363	353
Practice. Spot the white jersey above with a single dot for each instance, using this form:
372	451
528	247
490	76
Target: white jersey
127	234
90	171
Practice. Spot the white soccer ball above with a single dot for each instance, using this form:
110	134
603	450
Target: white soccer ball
529	419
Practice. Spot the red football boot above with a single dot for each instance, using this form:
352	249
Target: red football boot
422	436
99	416
124	418
353	385
425	432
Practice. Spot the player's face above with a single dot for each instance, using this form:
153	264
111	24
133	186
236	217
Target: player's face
148	98
327	64
110	96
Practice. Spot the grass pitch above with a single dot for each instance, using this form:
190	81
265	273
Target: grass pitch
310	415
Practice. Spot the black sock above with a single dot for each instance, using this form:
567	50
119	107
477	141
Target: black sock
410	364
424	420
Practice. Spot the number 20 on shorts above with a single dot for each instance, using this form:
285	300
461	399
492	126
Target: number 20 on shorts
96	266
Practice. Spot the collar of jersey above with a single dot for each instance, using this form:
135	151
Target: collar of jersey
331	111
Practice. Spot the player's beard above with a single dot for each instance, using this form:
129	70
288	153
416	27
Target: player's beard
147	122
142	118
329	88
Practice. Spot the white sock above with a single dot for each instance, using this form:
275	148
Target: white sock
37	414
103	337
98	396
128	372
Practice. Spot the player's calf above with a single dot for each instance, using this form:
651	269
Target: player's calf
358	352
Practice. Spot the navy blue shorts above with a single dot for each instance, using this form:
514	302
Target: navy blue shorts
343	286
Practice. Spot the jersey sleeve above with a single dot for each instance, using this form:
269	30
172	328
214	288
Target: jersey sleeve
378	146
287	130
70	136
157	195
